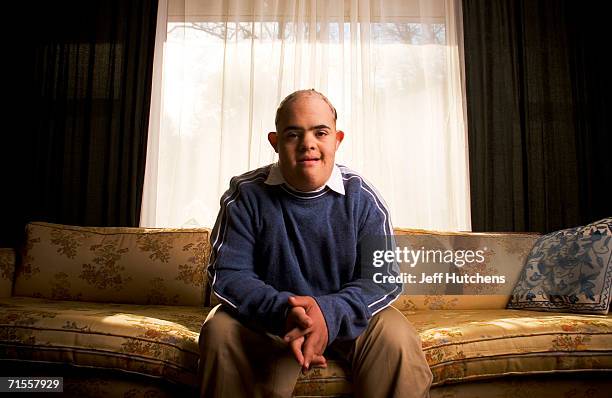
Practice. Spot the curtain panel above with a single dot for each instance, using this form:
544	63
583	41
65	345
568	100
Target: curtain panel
538	94
391	68
79	153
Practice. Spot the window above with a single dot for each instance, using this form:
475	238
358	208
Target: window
391	68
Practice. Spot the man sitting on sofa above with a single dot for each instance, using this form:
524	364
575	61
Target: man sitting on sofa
286	267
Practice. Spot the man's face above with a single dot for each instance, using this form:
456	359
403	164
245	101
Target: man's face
306	142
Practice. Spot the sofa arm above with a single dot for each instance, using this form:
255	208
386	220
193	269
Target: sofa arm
7	271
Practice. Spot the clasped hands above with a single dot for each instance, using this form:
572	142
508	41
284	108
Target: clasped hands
306	332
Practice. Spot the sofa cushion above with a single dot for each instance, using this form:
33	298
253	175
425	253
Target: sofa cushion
160	341
119	265
462	345
568	270
333	381
503	254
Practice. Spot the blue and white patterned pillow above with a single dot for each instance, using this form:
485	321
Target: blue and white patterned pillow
568	270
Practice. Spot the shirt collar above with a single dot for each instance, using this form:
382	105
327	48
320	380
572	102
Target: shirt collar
335	183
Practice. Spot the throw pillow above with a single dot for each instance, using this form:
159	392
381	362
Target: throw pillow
568	270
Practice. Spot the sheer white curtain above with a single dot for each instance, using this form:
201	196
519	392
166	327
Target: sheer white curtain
392	68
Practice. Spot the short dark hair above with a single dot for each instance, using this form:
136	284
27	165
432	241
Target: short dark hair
295	95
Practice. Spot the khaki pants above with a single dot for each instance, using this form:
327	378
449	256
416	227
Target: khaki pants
238	361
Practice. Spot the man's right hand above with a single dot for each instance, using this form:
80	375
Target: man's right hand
301	327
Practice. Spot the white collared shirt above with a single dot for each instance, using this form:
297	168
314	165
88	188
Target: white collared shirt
334	182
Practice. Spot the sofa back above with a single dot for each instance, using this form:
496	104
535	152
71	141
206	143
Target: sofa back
119	265
168	266
7	271
501	254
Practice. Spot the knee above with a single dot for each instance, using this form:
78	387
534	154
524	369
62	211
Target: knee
216	331
395	330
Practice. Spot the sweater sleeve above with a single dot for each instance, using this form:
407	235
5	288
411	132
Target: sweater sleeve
232	264
348	311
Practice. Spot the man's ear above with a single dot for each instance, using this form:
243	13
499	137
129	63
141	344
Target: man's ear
273	140
339	138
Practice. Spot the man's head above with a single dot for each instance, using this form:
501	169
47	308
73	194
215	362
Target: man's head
306	139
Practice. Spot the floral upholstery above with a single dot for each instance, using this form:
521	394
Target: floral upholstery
7	271
162	341
333	381
65	309
152	340
504	253
463	345
119	265
472	344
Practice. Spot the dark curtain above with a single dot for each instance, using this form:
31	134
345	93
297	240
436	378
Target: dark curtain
538	99
85	70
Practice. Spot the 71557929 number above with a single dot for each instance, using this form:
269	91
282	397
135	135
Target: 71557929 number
32	384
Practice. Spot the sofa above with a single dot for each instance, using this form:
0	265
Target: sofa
117	312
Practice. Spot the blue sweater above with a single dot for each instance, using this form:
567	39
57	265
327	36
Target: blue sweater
270	242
